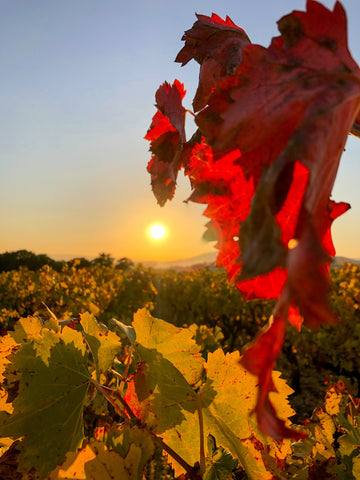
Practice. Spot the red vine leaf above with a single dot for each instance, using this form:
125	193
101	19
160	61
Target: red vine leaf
259	359
138	387
167	135
274	123
288	109
217	45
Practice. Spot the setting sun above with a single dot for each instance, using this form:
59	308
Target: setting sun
157	231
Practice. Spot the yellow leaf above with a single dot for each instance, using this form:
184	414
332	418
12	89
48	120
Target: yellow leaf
96	462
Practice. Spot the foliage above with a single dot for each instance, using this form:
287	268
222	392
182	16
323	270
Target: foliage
203	297
152	400
206	297
74	290
332	449
53	375
331	353
24	258
67	412
272	125
104	260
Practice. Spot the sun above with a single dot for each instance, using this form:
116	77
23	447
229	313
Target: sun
157	231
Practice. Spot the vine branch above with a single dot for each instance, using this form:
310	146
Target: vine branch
111	394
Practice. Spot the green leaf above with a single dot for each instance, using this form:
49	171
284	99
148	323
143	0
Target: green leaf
228	417
162	393
228	398
175	344
220	465
53	389
127	329
171	363
103	343
121	438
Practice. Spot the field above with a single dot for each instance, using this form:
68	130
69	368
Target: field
205	322
309	361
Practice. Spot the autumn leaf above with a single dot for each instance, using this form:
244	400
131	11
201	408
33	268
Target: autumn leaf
95	461
169	341
217	45
228	398
285	106
53	389
273	123
167	136
160	391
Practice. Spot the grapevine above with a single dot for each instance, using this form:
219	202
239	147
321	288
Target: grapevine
84	395
272	125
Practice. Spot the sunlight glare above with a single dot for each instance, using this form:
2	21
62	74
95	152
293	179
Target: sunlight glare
157	231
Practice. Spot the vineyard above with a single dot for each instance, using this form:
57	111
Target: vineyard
249	371
213	320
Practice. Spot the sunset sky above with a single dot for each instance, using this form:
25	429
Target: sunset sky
77	97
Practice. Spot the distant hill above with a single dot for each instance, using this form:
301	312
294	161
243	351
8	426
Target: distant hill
209	258
203	259
339	260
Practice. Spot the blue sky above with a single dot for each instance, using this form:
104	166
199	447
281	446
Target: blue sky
78	85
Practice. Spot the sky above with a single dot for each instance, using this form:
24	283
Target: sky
77	94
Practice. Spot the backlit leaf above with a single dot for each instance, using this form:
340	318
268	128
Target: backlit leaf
53	389
217	45
161	389
96	462
103	343
273	123
228	399
167	136
175	344
282	106
158	393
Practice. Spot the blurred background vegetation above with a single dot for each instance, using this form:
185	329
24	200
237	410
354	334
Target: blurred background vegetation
35	284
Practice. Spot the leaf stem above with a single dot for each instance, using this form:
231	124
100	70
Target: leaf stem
201	428
193	475
111	394
128	363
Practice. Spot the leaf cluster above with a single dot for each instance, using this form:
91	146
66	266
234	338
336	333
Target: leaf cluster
272	126
67	412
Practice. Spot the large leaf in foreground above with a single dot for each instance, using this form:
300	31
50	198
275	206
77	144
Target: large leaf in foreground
291	103
158	393
176	344
217	45
161	389
48	410
274	130
228	399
